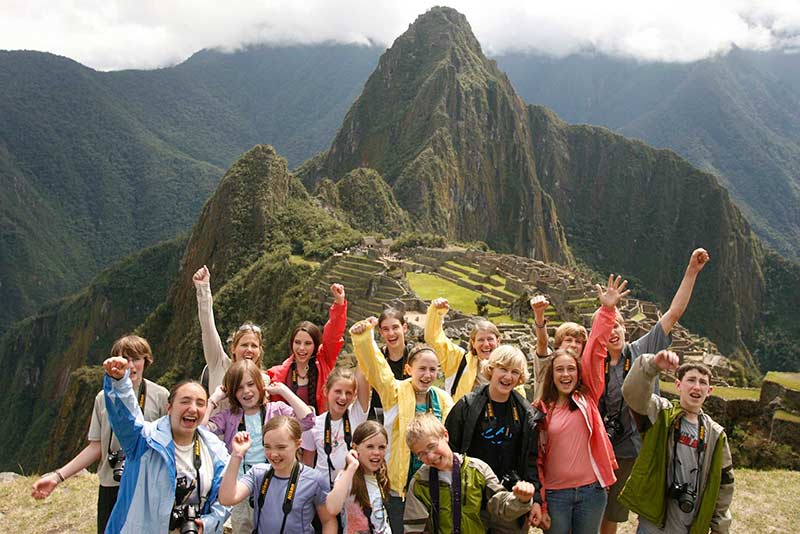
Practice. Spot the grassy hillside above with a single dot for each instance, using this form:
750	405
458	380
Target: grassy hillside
764	501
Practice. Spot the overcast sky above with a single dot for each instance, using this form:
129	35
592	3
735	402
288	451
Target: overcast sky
118	34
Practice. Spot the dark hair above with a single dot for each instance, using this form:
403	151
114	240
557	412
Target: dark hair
548	392
182	383
419	348
363	432
234	377
391	313
312	330
701	368
133	347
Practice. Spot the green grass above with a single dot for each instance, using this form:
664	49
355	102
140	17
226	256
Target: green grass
462	266
299	260
429	287
722	392
787	380
786	416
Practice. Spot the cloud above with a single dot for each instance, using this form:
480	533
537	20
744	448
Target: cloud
117	34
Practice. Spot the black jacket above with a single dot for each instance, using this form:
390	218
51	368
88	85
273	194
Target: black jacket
462	424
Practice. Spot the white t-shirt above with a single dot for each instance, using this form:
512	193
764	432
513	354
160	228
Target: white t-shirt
314	439
353	518
184	466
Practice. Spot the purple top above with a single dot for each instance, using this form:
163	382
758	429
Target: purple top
226	423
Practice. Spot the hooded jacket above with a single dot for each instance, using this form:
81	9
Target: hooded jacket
327	352
147	488
399	404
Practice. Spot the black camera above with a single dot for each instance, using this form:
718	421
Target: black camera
116	459
614	427
183	515
509	480
684	495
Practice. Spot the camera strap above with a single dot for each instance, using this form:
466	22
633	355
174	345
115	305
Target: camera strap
701	443
198	463
327	441
455	495
243	426
142	401
385	352
462	366
288	498
514	415
627	361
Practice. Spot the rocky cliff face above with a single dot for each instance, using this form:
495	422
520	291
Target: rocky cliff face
444	128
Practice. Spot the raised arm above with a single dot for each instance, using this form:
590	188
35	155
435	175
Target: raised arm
363	390
122	406
594	353
231	491
539	304
302	412
333	332
371	361
213	351
342	484
684	293
449	353
637	390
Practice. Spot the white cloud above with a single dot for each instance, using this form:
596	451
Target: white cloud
116	34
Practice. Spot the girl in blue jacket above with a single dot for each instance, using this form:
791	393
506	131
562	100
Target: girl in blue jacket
173	467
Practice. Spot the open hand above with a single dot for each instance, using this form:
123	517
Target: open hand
44	486
523	491
362	326
666	360
241	443
337	290
698	260
115	366
202	276
613	292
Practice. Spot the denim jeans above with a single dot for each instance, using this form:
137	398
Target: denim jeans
577	510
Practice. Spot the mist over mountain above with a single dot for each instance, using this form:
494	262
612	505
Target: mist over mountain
94	166
736	115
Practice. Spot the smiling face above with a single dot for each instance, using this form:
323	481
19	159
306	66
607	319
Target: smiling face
247	393
247	348
340	396
617	339
302	347
371	452
393	332
186	410
694	389
423	370
565	375
503	380
484	343
572	343
280	447
434	452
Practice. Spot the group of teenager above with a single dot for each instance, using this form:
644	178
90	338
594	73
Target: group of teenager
311	446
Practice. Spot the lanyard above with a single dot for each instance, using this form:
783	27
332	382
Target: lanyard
288	498
367	510
243	426
455	496
514	415
701	445
142	400
198	463
403	373
628	359
328	446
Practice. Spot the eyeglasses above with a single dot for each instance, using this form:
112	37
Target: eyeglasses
250	326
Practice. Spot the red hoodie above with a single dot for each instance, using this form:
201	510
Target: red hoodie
327	352
593	376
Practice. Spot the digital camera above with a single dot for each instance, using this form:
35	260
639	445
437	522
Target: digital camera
183	515
684	494
116	459
614	427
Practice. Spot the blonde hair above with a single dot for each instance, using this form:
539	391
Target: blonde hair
423	426
247	328
570	329
133	347
487	326
507	357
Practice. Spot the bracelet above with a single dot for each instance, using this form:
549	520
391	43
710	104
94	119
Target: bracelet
59	475
540	325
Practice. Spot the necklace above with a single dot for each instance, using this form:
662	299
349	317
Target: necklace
304	375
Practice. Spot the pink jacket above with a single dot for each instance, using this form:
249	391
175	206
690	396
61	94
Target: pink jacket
328	351
593	377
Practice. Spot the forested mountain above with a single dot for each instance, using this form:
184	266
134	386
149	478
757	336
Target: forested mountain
736	115
437	141
96	165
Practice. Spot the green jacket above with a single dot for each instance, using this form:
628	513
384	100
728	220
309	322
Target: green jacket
646	490
482	496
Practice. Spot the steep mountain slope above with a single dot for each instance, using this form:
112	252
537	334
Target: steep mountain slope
442	125
94	166
735	115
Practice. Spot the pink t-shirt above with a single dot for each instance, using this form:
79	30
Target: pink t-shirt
567	464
